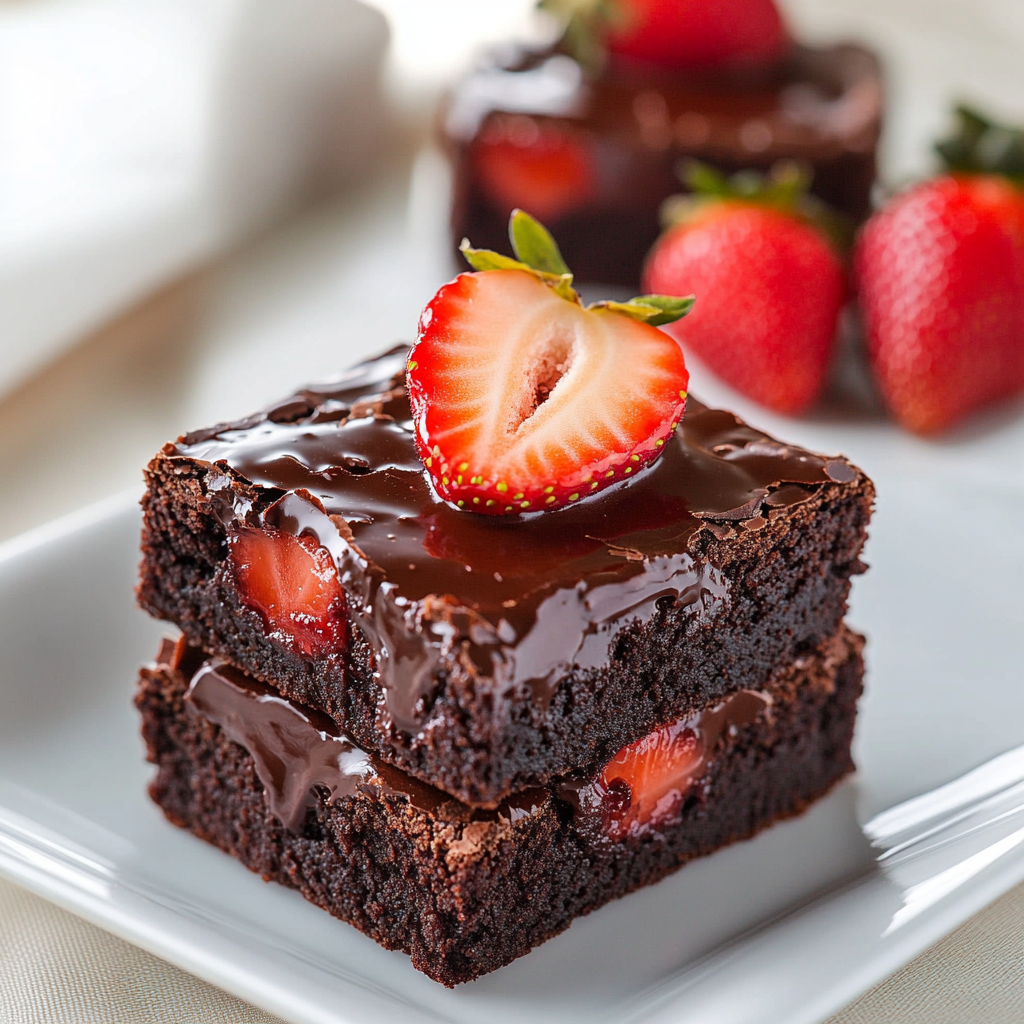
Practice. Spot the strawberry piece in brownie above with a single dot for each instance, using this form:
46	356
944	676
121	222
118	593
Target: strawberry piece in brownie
646	780
549	169
293	583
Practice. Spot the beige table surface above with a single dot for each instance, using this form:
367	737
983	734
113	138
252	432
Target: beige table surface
291	307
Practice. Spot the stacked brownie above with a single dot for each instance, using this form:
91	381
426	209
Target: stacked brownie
459	732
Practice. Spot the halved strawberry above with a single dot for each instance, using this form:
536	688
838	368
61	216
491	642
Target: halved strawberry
647	780
293	583
523	163
524	400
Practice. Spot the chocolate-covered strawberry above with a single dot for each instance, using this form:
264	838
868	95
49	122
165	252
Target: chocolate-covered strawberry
525	400
759	255
940	273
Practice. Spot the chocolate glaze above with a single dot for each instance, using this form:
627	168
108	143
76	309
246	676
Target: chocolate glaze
519	601
300	753
814	101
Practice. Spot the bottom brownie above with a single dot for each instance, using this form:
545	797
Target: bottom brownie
466	891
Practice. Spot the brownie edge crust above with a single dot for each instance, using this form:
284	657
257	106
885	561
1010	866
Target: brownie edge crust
465	896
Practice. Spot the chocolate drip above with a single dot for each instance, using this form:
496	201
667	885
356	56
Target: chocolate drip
520	601
299	752
294	750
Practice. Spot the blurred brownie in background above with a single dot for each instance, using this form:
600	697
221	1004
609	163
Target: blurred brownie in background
595	155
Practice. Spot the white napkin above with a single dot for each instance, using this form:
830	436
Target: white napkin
140	137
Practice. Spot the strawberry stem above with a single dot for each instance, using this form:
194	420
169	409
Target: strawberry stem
981	145
585	25
784	188
537	253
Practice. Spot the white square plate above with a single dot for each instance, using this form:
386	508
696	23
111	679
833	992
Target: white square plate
789	926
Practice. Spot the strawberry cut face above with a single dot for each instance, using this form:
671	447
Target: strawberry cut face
646	782
293	583
523	401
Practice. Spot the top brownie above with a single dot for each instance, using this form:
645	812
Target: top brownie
595	157
485	655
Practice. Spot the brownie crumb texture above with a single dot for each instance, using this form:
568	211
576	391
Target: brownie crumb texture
464	898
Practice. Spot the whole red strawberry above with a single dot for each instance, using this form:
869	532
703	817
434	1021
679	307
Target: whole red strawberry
523	399
940	272
769	286
682	34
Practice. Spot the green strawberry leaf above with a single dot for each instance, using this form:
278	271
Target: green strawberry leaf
585	24
980	145
487	259
534	244
784	188
705	180
650	309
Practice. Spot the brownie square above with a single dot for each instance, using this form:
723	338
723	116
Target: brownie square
464	890
482	654
598	156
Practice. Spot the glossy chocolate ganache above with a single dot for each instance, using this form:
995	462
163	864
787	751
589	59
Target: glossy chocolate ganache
300	755
517	601
814	103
